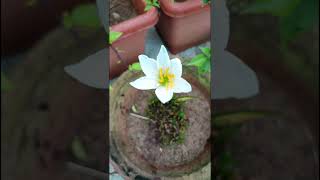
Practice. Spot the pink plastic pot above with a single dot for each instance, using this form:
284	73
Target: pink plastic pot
184	24
132	42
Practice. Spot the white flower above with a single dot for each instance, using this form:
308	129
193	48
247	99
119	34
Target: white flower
162	74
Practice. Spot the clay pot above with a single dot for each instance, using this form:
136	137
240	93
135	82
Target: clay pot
132	42
184	24
133	141
23	24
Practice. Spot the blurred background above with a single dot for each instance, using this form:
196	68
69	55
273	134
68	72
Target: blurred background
43	134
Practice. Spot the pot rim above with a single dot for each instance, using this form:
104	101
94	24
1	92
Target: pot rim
141	22
182	9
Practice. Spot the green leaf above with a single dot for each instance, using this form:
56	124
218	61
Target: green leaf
302	19
150	4
237	118
206	1
274	7
82	16
184	98
225	165
135	67
31	3
206	51
113	36
197	61
205	67
78	149
5	84
134	109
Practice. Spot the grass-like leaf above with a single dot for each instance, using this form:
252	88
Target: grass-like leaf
5	83
78	149
237	118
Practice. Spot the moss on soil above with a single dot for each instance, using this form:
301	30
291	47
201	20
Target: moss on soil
170	120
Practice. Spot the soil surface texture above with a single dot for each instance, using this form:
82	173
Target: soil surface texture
120	10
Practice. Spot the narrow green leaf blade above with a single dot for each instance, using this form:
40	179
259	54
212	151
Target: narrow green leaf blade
197	61
78	149
5	83
237	118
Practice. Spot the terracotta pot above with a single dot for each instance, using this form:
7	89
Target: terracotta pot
132	42
184	24
23	25
133	142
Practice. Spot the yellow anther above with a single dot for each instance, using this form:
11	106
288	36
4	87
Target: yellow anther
166	78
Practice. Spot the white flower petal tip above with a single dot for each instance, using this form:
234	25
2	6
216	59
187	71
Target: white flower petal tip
144	83
182	86
148	66
176	67
163	58
164	95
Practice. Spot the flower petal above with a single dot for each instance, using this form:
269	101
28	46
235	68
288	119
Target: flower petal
176	67
164	94
181	86
145	83
163	58
148	65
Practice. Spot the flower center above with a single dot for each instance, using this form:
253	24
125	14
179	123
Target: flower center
166	78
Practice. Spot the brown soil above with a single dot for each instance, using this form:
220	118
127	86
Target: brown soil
120	10
145	136
136	139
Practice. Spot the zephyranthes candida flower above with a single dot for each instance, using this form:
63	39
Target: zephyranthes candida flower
162	74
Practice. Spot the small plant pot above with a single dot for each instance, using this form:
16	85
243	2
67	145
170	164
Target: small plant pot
184	24
132	42
133	141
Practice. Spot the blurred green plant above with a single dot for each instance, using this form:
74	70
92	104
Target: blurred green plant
5	83
295	16
206	1
135	67
202	61
78	149
82	16
151	3
113	36
31	3
225	126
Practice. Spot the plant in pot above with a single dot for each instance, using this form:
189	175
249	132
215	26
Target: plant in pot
132	19
162	133
184	23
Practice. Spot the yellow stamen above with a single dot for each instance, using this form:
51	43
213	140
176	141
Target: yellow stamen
166	78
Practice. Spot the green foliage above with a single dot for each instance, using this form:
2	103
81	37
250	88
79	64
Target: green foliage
169	119
31	3
202	61
206	1
5	83
82	16
113	36
184	98
296	16
150	4
78	149
135	67
237	118
225	167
